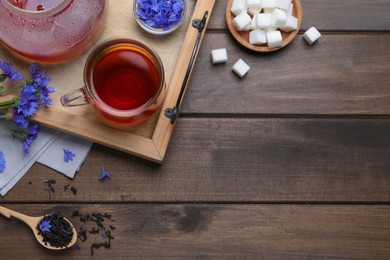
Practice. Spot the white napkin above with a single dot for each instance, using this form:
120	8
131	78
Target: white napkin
53	157
47	149
17	161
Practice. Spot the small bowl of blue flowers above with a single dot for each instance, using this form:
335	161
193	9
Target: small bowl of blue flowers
160	17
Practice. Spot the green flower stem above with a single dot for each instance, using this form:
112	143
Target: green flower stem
4	91
6	116
9	103
21	135
7	107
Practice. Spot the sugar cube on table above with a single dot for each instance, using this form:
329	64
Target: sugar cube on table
241	68
311	35
257	37
219	56
238	6
282	4
279	18
263	20
274	39
242	20
290	25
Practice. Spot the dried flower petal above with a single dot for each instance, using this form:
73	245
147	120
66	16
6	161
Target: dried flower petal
2	162
68	155
104	175
160	14
45	226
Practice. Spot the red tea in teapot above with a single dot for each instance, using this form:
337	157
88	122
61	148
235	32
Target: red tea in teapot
50	30
35	5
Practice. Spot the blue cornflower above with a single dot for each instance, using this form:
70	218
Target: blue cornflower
68	155
20	120
9	71
41	81
45	226
2	162
104	175
32	135
160	14
29	102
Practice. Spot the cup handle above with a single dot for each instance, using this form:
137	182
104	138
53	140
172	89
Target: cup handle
75	97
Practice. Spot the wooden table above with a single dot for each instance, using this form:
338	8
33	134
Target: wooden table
292	161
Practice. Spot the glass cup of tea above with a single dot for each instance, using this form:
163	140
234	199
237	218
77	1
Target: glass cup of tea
123	79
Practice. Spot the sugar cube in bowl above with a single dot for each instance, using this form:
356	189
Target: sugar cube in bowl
287	19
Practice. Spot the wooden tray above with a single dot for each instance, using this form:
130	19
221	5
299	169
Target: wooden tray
150	139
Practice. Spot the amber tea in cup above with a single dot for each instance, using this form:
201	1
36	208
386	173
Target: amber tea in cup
124	80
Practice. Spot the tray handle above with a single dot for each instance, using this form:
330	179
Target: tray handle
173	112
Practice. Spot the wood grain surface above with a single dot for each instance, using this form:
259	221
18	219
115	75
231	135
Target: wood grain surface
219	232
290	162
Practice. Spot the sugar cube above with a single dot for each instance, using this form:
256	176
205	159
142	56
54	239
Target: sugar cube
253	23
290	25
268	10
242	20
219	56
263	20
282	4
253	11
257	37
290	9
238	6
271	28
274	39
268	4
253	4
311	35
241	68
279	18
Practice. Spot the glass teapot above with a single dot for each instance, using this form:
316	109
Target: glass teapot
50	30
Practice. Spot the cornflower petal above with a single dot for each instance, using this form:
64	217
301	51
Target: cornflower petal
2	162
32	135
160	13
104	175
41	81
68	155
29	102
45	226
9	71
20	119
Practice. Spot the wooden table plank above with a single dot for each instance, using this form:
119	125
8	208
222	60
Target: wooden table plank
331	15
217	231
238	160
339	75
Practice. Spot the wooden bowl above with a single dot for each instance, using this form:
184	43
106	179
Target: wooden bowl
243	37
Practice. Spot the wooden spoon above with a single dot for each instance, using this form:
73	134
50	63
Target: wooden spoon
33	222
